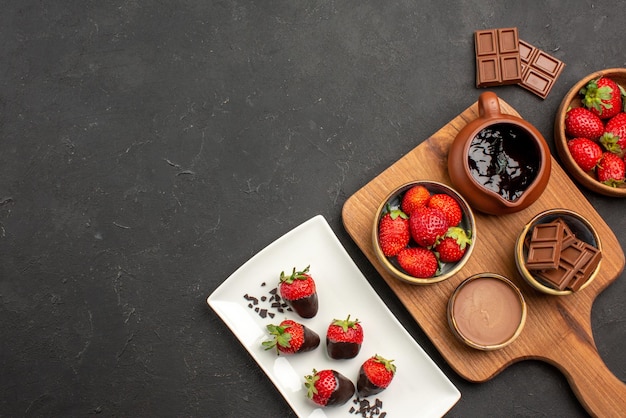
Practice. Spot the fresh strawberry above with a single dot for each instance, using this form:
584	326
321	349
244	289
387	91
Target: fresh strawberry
449	206
415	197
453	245
291	337
328	387
344	338
614	137
582	122
299	291
585	152
603	97
375	375
611	170
426	225
393	232
418	262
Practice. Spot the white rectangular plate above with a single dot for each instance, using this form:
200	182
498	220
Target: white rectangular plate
419	388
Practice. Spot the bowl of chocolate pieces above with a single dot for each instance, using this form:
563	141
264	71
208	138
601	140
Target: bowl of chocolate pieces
558	252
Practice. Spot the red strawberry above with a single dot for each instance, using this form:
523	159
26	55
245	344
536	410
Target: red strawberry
614	138
603	97
291	337
582	122
328	387
415	197
393	232
298	290
418	262
375	375
344	338
449	206
453	245
611	170
426	225
585	152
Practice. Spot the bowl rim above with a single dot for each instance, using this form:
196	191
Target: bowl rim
467	212
486	347
519	251
560	138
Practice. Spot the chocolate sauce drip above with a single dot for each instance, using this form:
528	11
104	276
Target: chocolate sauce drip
344	389
504	159
311	340
342	350
305	307
365	387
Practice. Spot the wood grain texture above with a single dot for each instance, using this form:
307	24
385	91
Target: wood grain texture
558	328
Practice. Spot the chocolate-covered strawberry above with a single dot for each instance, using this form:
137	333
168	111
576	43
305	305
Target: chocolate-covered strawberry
375	375
291	337
298	290
328	387
344	338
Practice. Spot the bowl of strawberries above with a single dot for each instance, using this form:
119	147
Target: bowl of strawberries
423	232
590	132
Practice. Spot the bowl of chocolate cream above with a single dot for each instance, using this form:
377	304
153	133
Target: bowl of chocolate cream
500	163
487	311
558	252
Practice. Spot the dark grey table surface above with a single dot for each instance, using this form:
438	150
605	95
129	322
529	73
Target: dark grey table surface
150	148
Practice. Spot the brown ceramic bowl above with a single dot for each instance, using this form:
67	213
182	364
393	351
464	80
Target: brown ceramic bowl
579	226
572	99
500	163
446	270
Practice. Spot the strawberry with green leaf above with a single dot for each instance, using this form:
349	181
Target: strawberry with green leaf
393	232
611	170
453	246
291	337
603	97
328	387
344	338
375	375
614	137
299	292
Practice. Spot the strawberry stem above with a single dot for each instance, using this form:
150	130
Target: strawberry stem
295	275
345	323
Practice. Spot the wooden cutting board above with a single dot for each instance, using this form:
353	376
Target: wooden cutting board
558	328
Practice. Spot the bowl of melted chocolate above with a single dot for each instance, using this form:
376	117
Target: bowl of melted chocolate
500	163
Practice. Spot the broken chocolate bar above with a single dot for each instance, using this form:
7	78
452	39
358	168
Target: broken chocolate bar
544	248
497	57
539	69
576	259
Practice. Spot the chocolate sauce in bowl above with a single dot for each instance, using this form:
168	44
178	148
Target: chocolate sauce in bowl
504	159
